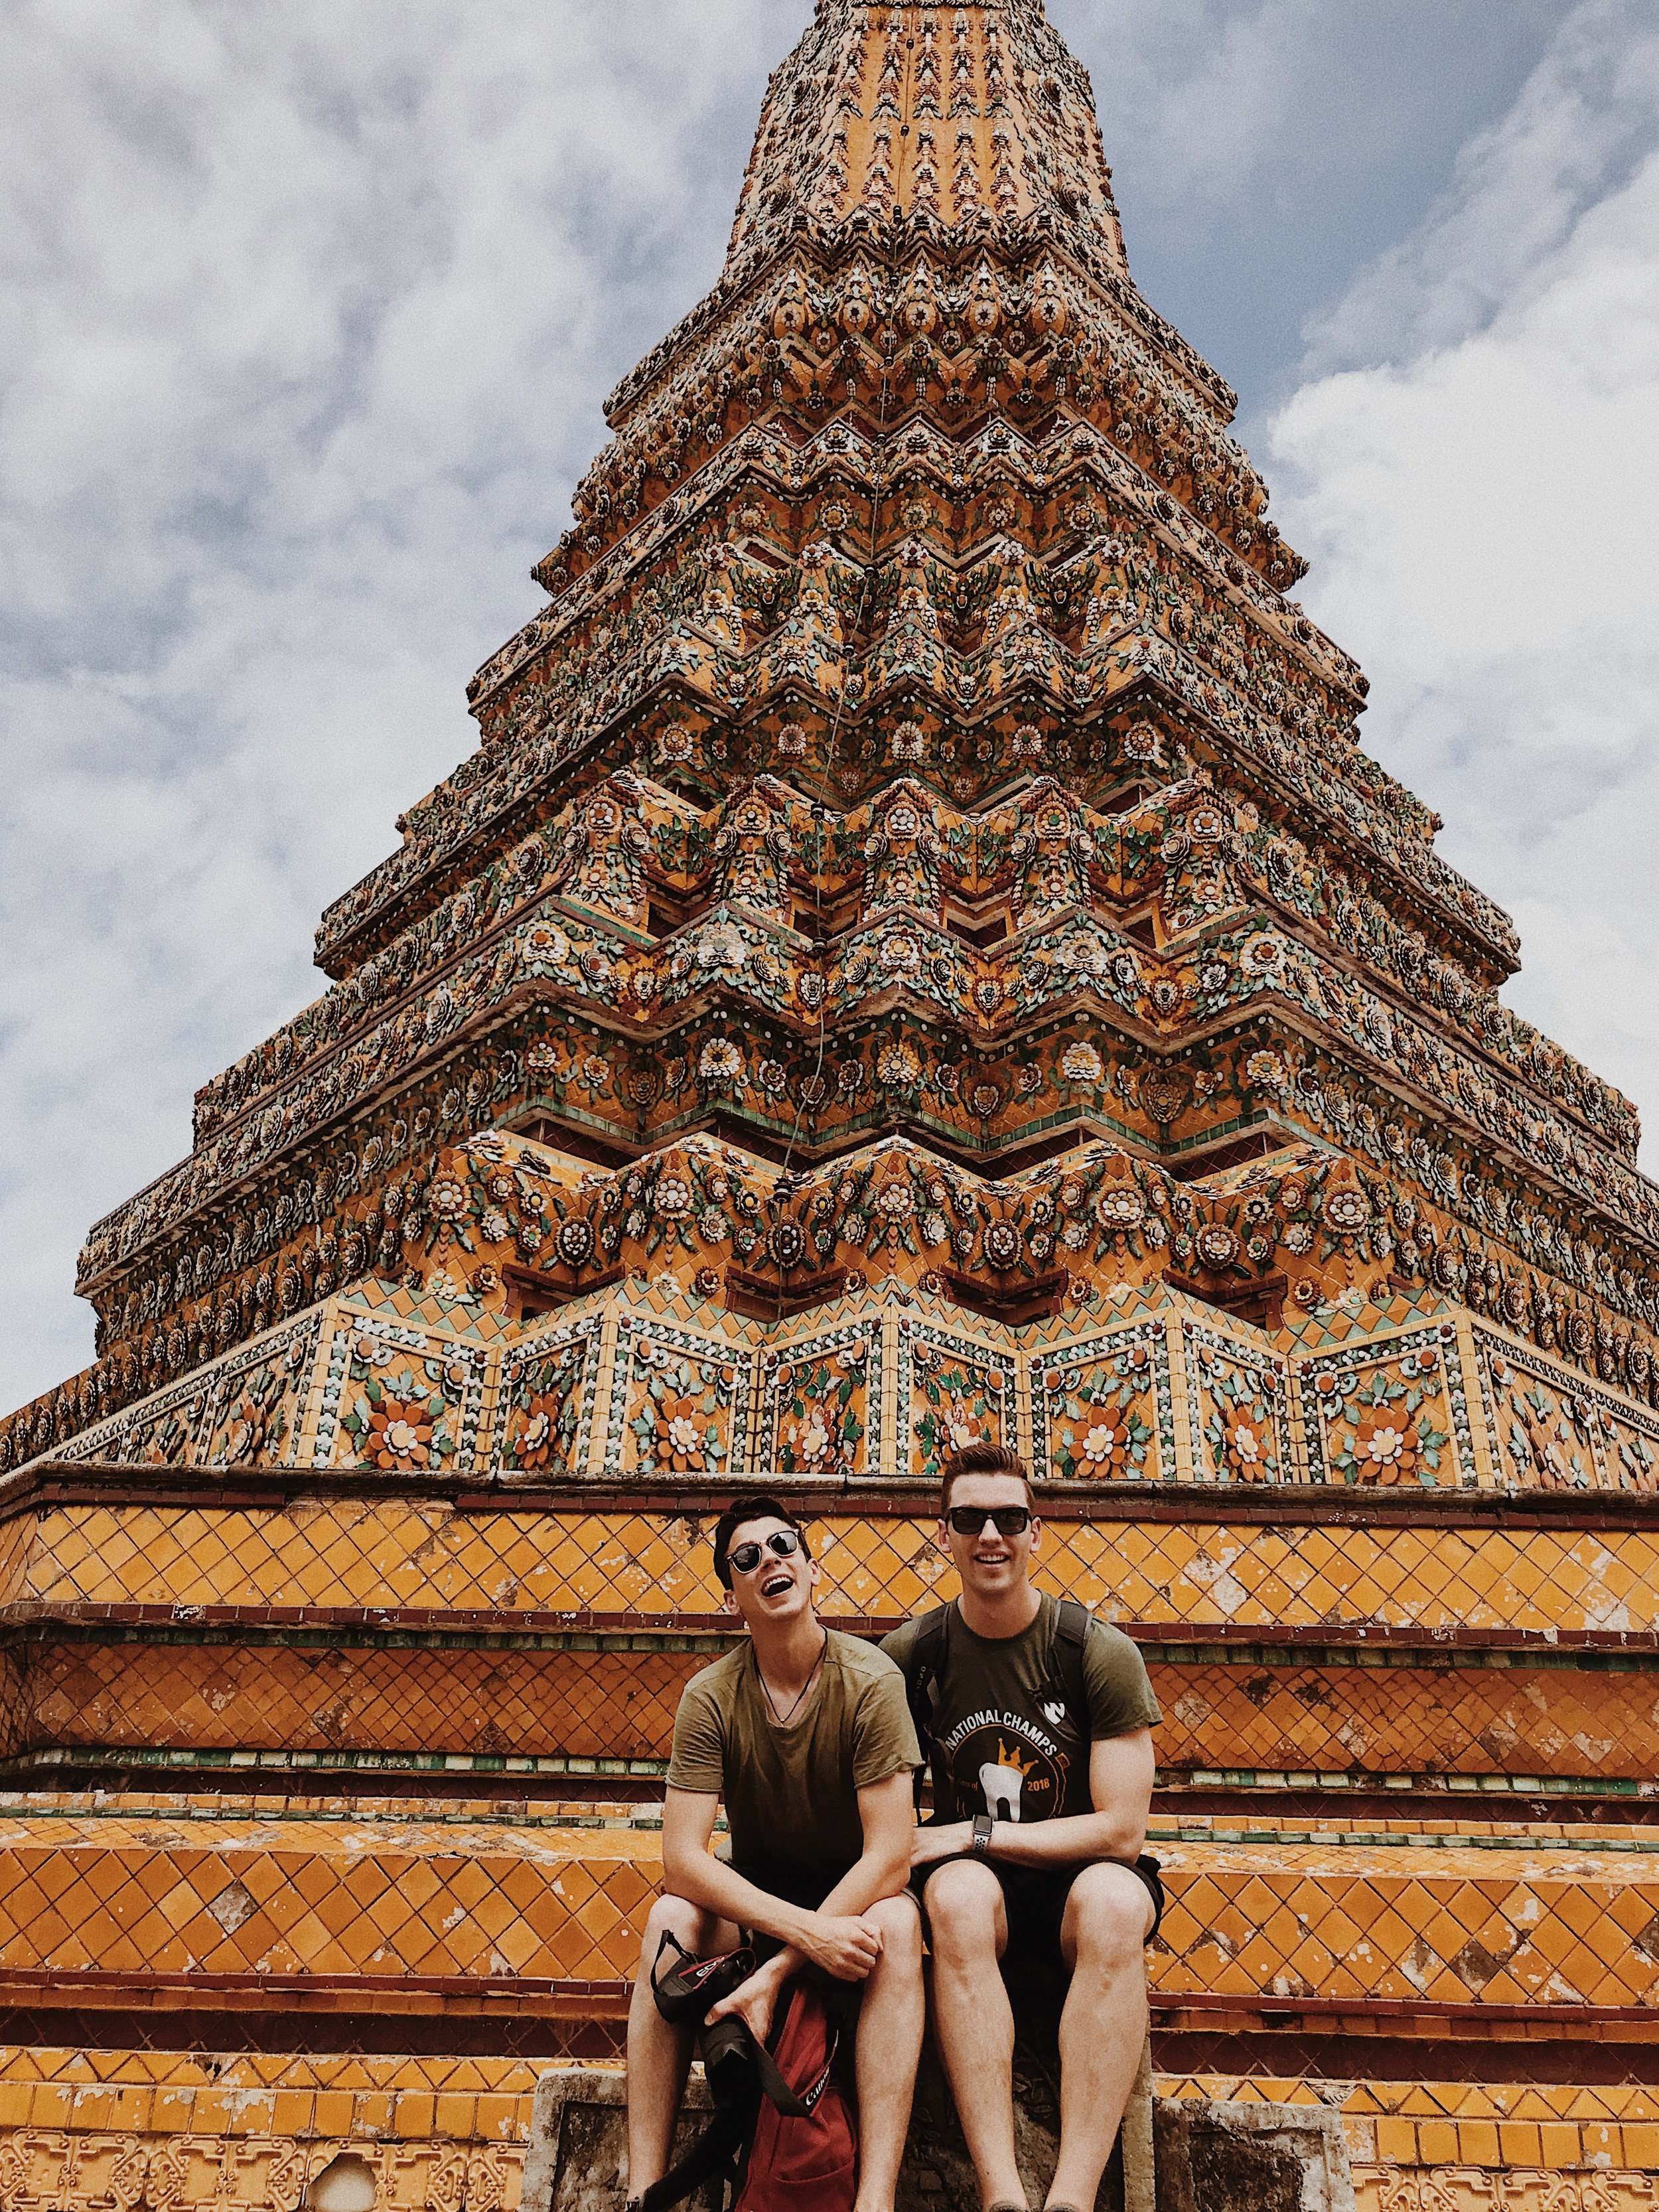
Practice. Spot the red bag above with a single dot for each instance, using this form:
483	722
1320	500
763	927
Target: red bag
783	2137
805	2162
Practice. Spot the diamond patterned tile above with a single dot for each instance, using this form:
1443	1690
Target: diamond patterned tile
1413	1920
1466	1720
276	1898
402	1554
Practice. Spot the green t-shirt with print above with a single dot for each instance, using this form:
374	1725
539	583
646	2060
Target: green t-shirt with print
1004	1739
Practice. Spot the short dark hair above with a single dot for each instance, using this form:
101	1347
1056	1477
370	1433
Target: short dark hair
763	1508
982	1459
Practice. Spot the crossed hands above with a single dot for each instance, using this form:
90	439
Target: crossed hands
846	1946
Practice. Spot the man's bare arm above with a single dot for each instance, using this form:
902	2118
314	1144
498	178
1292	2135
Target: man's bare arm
689	1871
887	1811
1122	1771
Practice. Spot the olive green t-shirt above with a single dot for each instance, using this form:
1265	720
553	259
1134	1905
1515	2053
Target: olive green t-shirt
1004	1739
791	1793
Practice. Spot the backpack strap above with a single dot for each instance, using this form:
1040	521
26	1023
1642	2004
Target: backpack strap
740	2071
927	1657
1072	1626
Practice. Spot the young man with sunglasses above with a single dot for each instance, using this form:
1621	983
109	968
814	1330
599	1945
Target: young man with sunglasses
1038	1721
806	1735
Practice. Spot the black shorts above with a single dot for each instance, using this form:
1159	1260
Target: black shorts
805	1887
1035	1901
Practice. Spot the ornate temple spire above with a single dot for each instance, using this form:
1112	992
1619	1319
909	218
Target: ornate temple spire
921	577
950	114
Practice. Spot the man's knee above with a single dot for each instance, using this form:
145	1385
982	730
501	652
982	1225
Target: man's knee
964	1908
1108	1917
900	1923
686	1922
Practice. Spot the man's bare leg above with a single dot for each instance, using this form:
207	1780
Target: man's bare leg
891	2024
659	2054
1103	2030
975	2022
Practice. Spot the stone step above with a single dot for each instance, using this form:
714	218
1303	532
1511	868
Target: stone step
214	2130
143	2128
371	1910
1252	1716
1417	1572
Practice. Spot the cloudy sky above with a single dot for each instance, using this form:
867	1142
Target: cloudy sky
306	316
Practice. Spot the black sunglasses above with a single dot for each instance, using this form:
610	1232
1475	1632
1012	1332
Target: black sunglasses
747	1557
970	1520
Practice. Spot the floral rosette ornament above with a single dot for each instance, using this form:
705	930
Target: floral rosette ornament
898	1068
1241	1432
1096	1423
449	1203
961	1408
257	1423
820	1425
396	1426
681	1425
1543	1445
1119	1214
1081	1065
543	1433
719	1064
1388	1425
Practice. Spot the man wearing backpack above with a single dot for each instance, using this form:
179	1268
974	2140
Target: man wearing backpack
1038	1721
806	1735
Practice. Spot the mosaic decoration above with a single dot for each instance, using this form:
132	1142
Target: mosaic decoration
546	1401
678	1405
1397	1421
918	957
1237	1411
259	1405
395	1401
1550	1433
1106	1415
956	1393
821	1401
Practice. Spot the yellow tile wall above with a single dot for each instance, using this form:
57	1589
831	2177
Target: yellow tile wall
405	1554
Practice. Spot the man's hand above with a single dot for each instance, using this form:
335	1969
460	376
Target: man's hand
949	1842
753	2000
844	1947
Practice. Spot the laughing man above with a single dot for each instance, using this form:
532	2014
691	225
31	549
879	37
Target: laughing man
806	1735
1040	1720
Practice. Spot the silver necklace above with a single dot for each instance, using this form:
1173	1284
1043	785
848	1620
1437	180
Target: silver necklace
784	1719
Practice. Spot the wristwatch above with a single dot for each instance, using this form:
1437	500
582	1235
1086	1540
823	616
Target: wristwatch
984	1826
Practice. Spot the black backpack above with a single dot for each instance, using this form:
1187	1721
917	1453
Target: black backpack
930	1652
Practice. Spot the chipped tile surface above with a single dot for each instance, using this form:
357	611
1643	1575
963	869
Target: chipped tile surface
403	1553
1400	1917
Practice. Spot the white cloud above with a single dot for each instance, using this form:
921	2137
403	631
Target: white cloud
1206	87
306	316
1476	498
